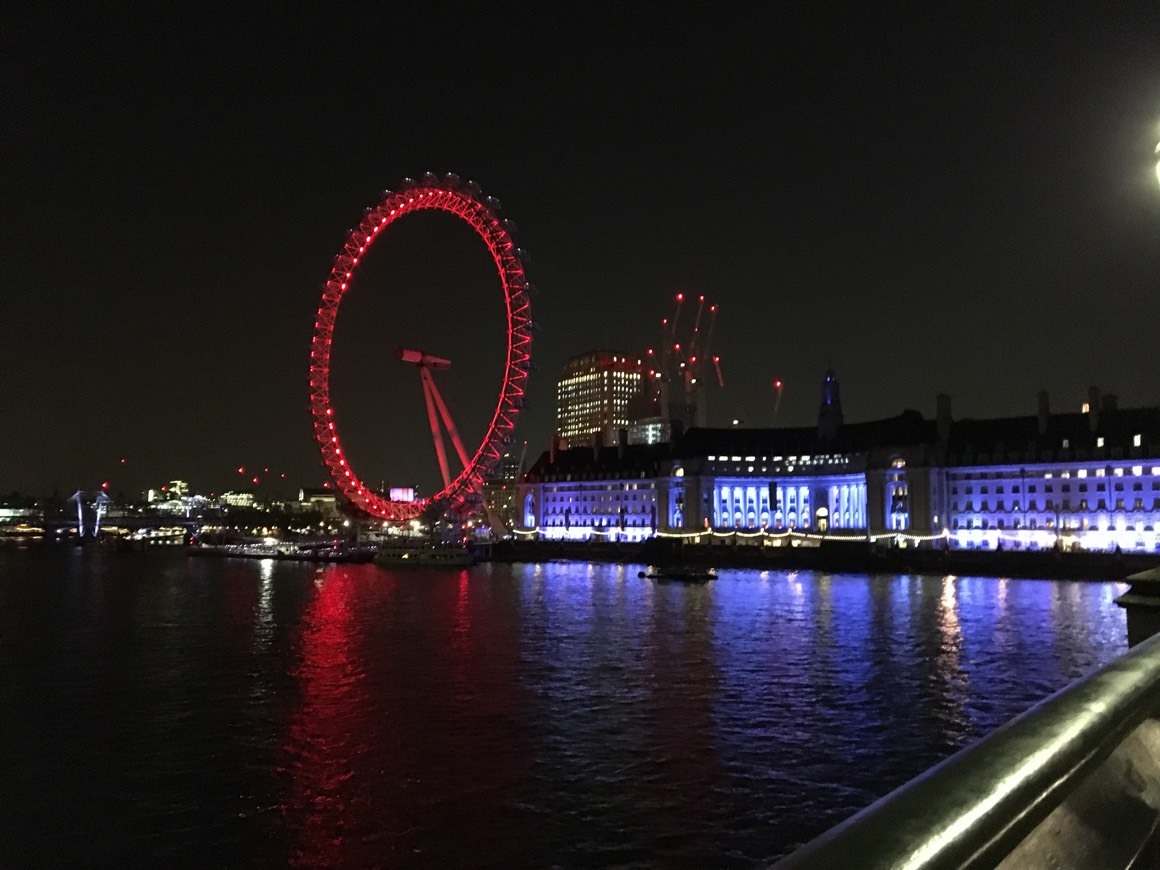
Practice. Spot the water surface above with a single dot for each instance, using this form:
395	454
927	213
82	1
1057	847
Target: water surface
160	709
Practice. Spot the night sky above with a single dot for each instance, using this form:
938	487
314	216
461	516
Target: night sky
929	197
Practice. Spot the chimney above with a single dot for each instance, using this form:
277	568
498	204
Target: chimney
1093	408
1108	402
597	443
942	403
1044	411
553	446
621	442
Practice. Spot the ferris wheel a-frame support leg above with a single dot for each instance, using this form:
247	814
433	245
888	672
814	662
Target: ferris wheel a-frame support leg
440	452
436	409
447	421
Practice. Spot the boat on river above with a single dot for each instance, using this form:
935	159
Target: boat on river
417	552
287	551
678	574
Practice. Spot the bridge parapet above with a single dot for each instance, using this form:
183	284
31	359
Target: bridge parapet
1072	783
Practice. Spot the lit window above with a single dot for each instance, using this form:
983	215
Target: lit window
1136	439
1100	441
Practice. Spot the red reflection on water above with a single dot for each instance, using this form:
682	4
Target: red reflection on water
328	808
406	746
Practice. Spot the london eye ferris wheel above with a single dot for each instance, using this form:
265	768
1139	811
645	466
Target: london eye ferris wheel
460	487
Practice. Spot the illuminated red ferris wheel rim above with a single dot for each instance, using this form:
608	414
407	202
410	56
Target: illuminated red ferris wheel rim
465	201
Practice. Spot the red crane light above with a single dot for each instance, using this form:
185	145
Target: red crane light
777	385
241	469
105	485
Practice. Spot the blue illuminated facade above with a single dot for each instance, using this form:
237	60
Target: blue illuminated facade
1086	480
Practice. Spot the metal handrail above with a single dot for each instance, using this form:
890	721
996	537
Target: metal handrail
975	807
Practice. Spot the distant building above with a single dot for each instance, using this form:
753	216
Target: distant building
649	430
238	498
324	501
593	396
1080	480
501	489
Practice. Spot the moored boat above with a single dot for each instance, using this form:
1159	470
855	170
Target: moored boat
284	551
410	552
679	574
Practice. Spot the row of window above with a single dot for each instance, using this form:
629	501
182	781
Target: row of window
1120	471
1032	524
1137	486
601	499
1050	505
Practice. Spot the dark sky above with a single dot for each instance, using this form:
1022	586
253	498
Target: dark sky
933	197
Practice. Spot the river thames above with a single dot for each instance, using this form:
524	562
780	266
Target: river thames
162	710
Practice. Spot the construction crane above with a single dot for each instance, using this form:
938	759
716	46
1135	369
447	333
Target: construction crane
682	365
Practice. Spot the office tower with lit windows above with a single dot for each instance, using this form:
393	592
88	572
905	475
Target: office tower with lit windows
593	396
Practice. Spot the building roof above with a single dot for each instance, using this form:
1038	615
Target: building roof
993	441
907	429
1018	439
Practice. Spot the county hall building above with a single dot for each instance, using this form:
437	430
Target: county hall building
1089	479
